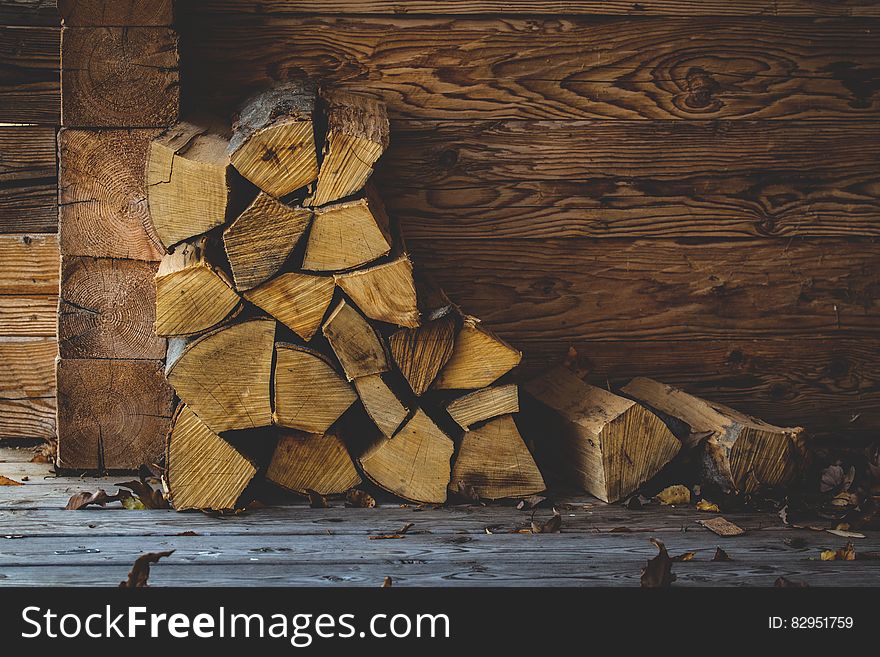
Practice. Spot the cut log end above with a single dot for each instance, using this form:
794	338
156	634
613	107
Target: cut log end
381	404
309	394
484	404
385	293
421	352
495	462
203	471
297	300
479	359
305	462
347	235
357	345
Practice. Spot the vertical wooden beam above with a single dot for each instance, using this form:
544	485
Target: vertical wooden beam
120	88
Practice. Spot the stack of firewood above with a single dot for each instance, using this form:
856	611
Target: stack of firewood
294	315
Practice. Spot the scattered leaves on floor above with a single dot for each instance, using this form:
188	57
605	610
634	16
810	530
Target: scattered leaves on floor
6	481
721	555
722	526
387	583
673	495
706	505
44	453
785	583
140	571
530	502
316	500
188	533
846	553
687	556
845	533
150	497
551	526
359	499
464	493
385	537
99	497
406	528
133	503
658	571
636	502
835	478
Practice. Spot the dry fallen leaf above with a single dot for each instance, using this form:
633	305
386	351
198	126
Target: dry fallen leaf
846	553
706	505
464	492
316	500
676	494
687	556
843	533
6	481
384	537
151	498
140	571
658	571
359	499
551	526
530	502
133	503
721	555
722	527
785	583
406	528
387	583
44	453
188	533
100	497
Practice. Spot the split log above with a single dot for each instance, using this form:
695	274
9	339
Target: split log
357	346
414	464
739	453
189	182
262	238
312	461
612	444
297	300
309	394
224	376
203	471
479	358
357	135
495	462
421	352
484	404
192	295
381	404
273	142
385	292
432	300
347	235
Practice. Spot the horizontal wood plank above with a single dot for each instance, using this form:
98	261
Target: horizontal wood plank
28	368
28	315
30	86
576	67
552	7
119	13
29	12
31	417
540	179
28	180
29	264
627	290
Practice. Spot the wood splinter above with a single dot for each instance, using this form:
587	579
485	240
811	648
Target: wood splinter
739	453
611	444
312	461
203	471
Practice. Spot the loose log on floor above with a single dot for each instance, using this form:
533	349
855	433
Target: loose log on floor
189	182
414	464
384	292
202	470
495	462
739	453
479	358
421	352
312	461
484	404
224	376
357	135
381	404
357	346
310	394
261	239
192	295
273	143
297	300
613	445
349	234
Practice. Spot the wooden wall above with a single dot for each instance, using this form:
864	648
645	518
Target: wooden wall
30	103
686	189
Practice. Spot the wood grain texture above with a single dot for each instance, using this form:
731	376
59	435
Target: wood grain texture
29	12
28	180
829	386
28	368
112	414
643	289
103	198
28	418
539	179
119	77
29	264
28	315
556	68
30	87
108	309
568	7
122	13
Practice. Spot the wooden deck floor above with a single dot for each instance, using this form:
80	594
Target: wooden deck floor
600	545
